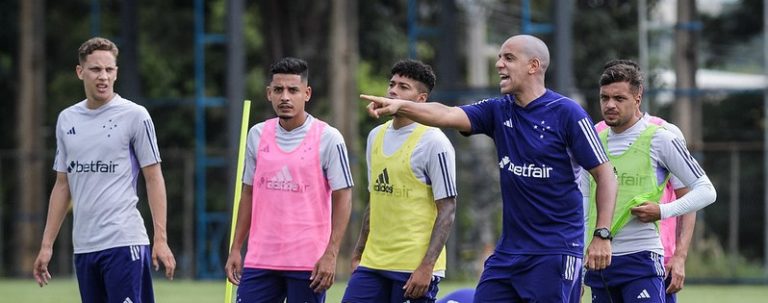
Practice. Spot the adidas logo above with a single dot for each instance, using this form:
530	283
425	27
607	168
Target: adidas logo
508	123
382	183
644	295
284	181
71	131
382	186
135	252
127	300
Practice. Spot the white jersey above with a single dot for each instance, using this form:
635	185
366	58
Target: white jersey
333	151
668	154
432	162
102	151
676	183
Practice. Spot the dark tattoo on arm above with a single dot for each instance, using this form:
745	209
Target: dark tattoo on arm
364	230
446	211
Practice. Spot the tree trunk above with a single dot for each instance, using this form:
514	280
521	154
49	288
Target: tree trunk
687	111
343	96
31	144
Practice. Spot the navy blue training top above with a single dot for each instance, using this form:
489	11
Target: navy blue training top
541	150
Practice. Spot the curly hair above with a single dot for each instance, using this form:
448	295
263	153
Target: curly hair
416	70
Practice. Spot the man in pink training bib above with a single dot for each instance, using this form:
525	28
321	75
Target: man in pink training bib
296	198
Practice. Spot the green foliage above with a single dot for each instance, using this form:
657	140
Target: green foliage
369	84
741	25
594	45
708	260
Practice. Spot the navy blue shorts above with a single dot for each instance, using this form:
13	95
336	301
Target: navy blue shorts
268	286
368	285
637	277
530	278
120	274
670	298
464	295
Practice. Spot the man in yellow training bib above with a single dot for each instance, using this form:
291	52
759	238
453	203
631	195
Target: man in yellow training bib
400	254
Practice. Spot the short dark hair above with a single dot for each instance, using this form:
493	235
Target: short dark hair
622	70
291	66
94	44
416	70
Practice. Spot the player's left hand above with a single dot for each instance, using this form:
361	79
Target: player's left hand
676	268
161	253
647	212
598	254
418	284
324	273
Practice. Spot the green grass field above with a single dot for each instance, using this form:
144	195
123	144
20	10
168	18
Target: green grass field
186	291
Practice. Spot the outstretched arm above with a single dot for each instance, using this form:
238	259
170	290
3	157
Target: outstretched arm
324	272
161	252
429	113
599	251
418	284
57	211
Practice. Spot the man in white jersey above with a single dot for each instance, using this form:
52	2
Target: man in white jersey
677	238
296	198
543	141
644	155
676	232
102	143
412	185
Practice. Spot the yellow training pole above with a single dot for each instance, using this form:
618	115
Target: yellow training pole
238	186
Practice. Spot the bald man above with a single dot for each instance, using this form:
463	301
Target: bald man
543	141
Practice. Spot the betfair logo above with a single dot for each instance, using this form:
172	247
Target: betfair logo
284	181
633	179
92	167
383	186
526	170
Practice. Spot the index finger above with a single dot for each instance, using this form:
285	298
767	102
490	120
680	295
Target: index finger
370	98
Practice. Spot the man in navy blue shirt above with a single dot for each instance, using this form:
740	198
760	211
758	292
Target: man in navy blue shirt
543	141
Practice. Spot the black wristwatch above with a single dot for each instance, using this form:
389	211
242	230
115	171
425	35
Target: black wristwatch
603	233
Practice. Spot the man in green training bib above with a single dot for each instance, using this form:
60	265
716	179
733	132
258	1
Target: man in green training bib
644	156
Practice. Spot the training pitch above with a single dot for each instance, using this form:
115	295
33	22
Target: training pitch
187	291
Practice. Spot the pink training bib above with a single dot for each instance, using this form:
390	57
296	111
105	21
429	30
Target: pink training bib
291	215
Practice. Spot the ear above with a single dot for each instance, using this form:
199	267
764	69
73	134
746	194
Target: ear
269	92
309	94
639	95
422	97
534	65
79	71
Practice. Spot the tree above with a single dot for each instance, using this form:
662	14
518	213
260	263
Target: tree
29	132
